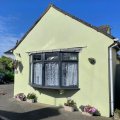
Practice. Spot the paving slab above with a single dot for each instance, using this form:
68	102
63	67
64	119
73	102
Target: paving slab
11	109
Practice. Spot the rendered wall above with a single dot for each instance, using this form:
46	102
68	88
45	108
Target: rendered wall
57	31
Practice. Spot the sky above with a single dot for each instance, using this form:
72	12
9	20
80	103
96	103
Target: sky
17	16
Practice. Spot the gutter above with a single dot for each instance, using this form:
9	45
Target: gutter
111	79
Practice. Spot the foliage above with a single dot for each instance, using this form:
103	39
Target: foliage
31	96
70	103
89	109
6	76
6	69
7	63
9	76
2	76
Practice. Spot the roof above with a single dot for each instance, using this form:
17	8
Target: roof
73	17
9	51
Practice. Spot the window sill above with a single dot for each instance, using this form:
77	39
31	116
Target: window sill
54	88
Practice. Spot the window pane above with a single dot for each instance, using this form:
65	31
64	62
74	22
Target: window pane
69	56
37	57
31	71
52	74
51	56
69	74
37	73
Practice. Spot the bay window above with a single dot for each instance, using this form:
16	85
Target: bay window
55	70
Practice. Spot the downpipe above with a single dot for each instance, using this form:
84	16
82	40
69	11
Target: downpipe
111	78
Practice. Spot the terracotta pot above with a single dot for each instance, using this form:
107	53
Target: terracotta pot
18	99
68	108
85	113
30	100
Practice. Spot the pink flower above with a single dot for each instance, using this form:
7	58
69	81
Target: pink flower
89	109
93	110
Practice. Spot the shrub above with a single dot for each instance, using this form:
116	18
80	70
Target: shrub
90	109
6	76
9	76
32	96
6	70
70	103
2	77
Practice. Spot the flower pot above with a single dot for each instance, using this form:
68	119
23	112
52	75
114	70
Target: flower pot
86	113
68	108
18	99
31	100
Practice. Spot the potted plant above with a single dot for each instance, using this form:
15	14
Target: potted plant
20	97
31	98
89	110
70	105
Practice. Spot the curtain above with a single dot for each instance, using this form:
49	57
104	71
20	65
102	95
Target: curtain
31	71
52	74
69	74
38	73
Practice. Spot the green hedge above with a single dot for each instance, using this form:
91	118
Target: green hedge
8	76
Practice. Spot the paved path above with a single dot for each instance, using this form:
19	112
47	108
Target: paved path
10	109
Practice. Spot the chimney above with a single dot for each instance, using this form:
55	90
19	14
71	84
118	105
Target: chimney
105	28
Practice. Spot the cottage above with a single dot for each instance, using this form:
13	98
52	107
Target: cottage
62	56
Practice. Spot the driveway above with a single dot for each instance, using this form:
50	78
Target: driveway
10	109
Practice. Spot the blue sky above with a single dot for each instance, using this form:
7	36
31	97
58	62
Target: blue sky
17	16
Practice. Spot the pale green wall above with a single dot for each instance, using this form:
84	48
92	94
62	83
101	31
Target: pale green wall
54	31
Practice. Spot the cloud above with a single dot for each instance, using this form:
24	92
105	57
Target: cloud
7	37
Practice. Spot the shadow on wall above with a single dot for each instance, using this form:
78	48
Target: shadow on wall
20	66
57	94
32	115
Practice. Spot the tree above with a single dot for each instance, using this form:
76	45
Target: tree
6	70
6	64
